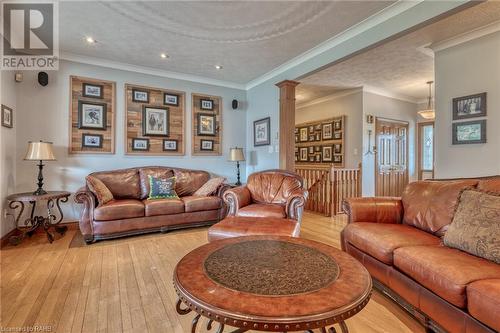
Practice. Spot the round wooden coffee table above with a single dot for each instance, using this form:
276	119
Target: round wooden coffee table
271	283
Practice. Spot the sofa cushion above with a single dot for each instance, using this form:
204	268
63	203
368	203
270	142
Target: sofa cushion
124	184
273	187
156	171
476	226
188	181
444	270
483	302
100	190
197	204
119	209
430	205
262	210
253	226
380	240
489	185
210	187
163	206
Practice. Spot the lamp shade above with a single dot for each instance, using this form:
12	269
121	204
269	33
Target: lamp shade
236	154
40	151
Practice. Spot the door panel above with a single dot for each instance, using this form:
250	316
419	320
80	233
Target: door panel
391	169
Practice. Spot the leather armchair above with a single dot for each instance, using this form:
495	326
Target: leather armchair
270	193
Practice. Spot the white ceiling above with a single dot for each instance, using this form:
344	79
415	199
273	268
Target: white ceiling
247	38
400	66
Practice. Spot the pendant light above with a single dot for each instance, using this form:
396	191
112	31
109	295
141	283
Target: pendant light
429	112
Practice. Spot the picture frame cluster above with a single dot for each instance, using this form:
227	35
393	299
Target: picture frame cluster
207	125
467	107
320	142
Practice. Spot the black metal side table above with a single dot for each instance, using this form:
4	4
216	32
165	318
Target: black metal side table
33	222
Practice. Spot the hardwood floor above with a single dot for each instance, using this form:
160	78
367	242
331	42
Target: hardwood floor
125	285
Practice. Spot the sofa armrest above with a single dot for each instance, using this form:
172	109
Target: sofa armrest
237	198
87	198
295	204
374	209
222	189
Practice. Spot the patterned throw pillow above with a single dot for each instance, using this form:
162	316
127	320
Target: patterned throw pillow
100	190
210	187
476	226
162	188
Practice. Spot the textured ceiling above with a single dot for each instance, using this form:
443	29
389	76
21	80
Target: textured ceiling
399	67
247	38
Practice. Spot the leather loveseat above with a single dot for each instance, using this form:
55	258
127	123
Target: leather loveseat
399	241
130	212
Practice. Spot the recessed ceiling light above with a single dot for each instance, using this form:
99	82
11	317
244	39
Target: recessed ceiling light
218	67
164	55
90	40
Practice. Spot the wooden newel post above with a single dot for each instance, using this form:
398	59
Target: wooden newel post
287	124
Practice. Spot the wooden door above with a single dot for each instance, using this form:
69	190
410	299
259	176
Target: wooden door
391	166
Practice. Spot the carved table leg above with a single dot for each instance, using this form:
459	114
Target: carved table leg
343	327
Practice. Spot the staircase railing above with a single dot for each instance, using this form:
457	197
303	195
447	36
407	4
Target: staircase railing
328	186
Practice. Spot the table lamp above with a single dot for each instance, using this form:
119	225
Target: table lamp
40	151
236	155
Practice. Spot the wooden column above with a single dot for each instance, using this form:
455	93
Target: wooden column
287	124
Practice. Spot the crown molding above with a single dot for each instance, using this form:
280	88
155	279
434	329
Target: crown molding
330	97
147	70
466	37
357	29
389	94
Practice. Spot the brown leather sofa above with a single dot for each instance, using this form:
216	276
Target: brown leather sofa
398	241
131	213
271	203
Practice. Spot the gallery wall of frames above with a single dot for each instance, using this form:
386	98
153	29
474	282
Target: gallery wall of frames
206	125
92	116
154	121
320	142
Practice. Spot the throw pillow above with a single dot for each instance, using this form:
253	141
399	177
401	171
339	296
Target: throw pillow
476	226
209	187
100	190
162	188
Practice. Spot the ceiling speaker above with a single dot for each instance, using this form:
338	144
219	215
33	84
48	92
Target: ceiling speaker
235	104
43	78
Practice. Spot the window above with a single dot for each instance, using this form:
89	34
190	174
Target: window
426	150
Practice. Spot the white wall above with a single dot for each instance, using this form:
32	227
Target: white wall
7	150
465	69
348	104
389	108
43	114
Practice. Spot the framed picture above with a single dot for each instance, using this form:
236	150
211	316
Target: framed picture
140	96
317	157
337	148
296	157
311	158
327	153
318	136
169	145
317	149
206	104
337	158
303	154
7	117
155	121
469	132
140	144
311	128
296	138
312	137
207	145
92	90
327	131
171	99
206	124
92	140
337	124
337	135
296	130
317	127
472	106
311	150
303	134
91	115
262	132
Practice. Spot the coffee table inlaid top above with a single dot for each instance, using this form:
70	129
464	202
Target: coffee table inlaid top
272	280
29	196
